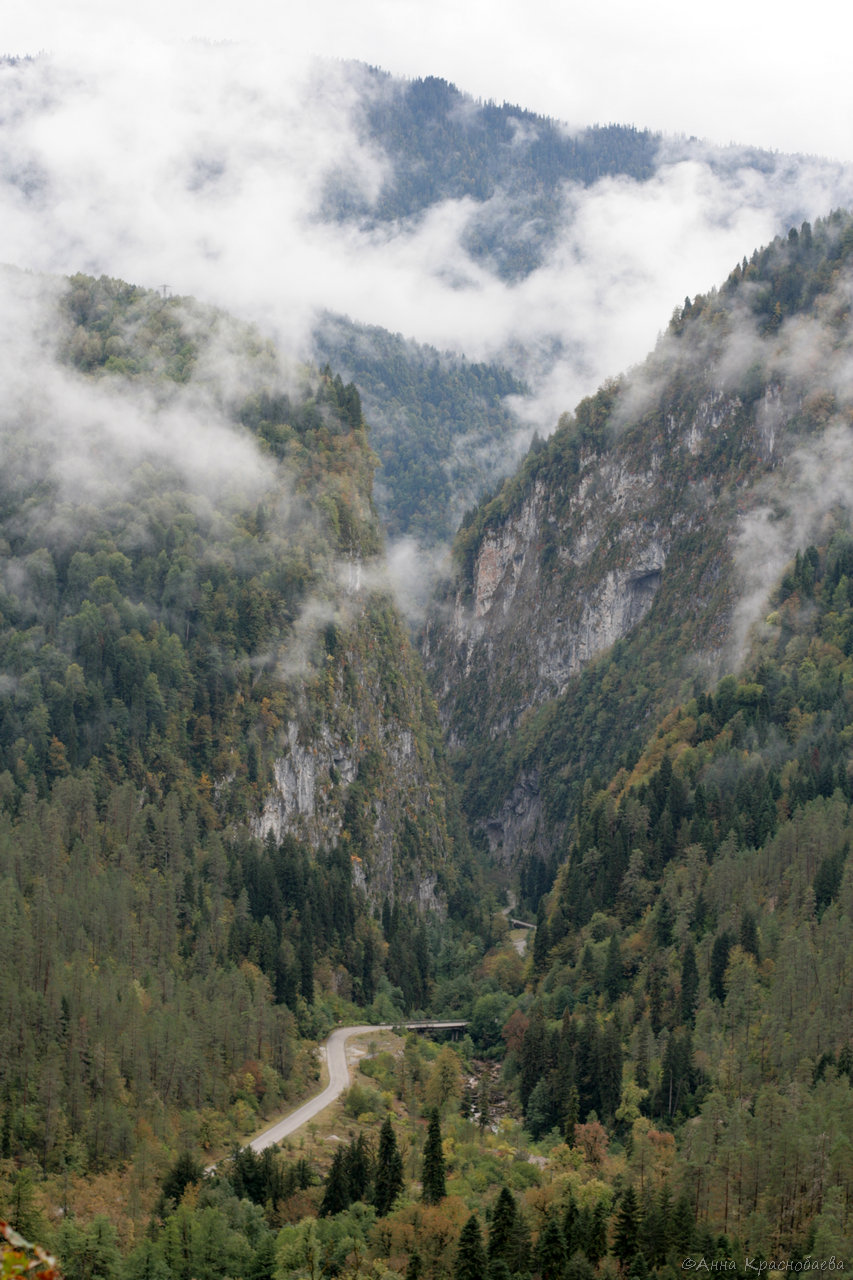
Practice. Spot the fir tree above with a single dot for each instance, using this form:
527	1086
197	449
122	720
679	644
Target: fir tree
183	1172
579	1267
470	1255
484	1102
596	1234
432	1179
626	1235
503	1223
683	1222
571	1227
359	1168
388	1182
551	1251
689	985
613	969
336	1195
498	1270
719	962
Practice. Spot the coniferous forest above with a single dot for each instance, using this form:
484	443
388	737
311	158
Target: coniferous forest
598	810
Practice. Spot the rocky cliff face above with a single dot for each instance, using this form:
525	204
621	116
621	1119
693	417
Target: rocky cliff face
620	565
361	763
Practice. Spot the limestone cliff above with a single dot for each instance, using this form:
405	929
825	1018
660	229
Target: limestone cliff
360	763
624	561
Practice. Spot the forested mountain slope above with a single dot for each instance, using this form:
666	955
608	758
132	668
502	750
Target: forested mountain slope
437	143
219	763
440	144
692	969
620	567
511	184
442	426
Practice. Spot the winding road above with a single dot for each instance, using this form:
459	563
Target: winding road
335	1050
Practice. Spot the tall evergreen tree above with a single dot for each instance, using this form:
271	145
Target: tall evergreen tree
613	969
571	1227
433	1183
551	1256
689	985
358	1164
498	1270
470	1254
336	1196
388	1182
503	1222
627	1229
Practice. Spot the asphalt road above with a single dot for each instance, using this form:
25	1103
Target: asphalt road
336	1058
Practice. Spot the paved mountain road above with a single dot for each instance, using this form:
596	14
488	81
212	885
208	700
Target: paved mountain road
335	1050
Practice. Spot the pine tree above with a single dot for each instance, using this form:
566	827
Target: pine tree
613	969
432	1179
359	1168
689	985
571	1227
551	1251
626	1235
388	1182
470	1255
336	1195
503	1222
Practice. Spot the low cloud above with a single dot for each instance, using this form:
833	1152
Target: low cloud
203	167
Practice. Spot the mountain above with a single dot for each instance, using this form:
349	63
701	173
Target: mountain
441	144
643	666
435	143
619	569
441	426
234	812
510	194
226	815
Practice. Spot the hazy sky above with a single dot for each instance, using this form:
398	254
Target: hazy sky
751	71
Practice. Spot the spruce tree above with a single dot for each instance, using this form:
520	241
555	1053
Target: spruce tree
626	1235
432	1179
579	1267
336	1194
551	1251
613	969
683	1224
689	985
498	1270
571	1227
470	1254
596	1237
503	1222
359	1168
388	1182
